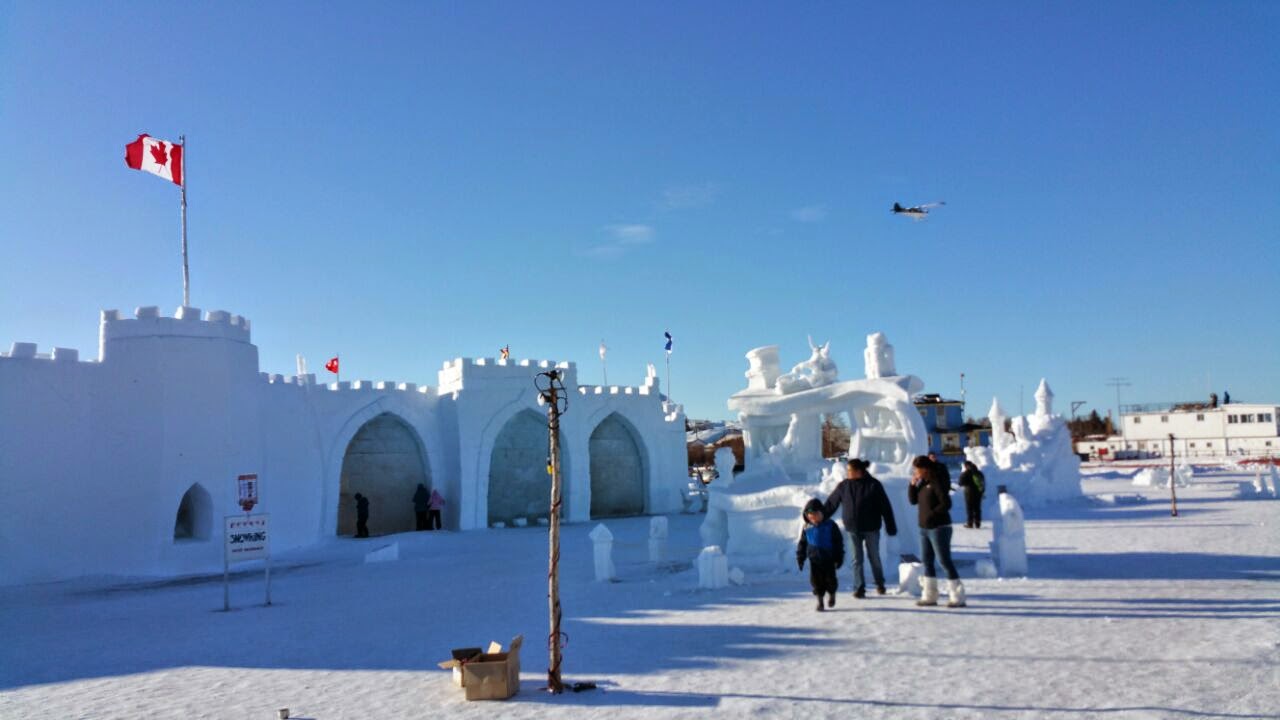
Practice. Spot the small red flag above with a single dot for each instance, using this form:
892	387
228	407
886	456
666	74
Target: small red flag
332	365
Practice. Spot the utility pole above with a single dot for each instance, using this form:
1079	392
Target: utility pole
552	393
1117	383
1075	405
1173	493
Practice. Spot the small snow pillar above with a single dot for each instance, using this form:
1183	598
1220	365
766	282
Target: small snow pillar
1273	482
713	568
1009	548
602	546
657	539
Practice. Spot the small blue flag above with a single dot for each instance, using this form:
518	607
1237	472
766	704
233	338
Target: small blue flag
668	335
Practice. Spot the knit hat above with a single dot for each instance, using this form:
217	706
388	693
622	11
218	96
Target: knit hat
814	505
859	463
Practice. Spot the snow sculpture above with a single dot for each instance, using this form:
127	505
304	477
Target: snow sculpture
657	539
817	371
878	357
763	368
713	568
602	547
725	463
1009	538
1036	462
755	519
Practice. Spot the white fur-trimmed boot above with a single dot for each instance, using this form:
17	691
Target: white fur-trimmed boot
957	597
928	592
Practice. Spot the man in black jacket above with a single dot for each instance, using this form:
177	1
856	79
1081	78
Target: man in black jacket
865	504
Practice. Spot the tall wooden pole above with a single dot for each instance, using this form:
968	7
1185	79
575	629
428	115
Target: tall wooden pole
554	683
1173	481
186	275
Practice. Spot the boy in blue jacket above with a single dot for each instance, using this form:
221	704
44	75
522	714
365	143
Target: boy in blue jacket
822	543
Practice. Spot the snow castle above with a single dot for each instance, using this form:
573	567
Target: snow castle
126	465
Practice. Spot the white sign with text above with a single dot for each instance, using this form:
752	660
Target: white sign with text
246	537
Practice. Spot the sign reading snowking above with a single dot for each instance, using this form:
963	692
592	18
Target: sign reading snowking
246	537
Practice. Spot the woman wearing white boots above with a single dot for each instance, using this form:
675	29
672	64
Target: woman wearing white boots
931	492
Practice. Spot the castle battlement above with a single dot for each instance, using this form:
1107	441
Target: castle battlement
30	351
186	322
309	379
454	374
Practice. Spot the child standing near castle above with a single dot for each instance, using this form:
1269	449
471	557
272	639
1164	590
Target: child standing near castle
822	544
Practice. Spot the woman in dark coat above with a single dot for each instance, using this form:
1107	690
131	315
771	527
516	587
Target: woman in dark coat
931	492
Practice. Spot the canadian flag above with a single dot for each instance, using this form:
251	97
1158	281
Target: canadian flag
156	157
332	366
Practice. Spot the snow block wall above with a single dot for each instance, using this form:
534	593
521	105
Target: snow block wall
126	465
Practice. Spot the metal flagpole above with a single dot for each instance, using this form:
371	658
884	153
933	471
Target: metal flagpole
186	276
604	364
669	377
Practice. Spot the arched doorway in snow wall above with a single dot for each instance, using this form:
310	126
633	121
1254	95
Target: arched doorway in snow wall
384	462
519	486
618	477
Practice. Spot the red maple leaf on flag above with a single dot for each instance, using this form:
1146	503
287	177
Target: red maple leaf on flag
159	154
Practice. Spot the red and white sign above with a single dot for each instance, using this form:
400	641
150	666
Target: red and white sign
247	492
246	537
158	157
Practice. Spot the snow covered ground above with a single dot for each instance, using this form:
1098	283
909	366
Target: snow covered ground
1129	613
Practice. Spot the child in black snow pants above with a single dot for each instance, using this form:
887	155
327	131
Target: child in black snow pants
822	543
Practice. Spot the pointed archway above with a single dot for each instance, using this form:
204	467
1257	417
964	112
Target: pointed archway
519	486
194	520
385	463
619	478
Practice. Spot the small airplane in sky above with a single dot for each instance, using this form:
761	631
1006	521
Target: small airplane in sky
917	212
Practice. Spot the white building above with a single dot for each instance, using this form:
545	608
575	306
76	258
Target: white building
1198	431
127	464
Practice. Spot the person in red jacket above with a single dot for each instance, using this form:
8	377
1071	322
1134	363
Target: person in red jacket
930	490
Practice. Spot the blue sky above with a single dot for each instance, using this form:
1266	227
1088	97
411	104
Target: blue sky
404	183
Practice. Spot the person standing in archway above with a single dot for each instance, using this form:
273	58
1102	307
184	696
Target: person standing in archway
362	516
421	504
436	504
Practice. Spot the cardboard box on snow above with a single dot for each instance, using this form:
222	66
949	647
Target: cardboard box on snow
489	675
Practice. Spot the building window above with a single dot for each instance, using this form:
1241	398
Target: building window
1200	417
1164	418
1268	443
1209	444
1193	444
1265	417
1137	420
1231	419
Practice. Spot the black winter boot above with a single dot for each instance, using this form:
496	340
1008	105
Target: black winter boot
831	599
860	593
819	608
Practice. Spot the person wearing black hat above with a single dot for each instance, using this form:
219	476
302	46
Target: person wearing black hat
822	544
865	506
